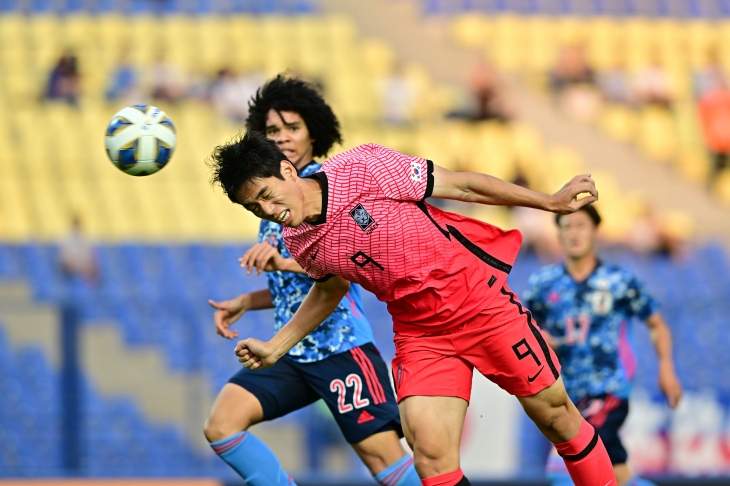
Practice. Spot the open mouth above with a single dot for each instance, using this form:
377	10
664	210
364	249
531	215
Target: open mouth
283	216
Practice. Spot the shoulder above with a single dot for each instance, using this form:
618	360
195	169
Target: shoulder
546	275
616	272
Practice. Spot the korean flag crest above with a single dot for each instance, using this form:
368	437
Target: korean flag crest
416	171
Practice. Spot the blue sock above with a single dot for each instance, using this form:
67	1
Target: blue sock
401	473
252	460
557	473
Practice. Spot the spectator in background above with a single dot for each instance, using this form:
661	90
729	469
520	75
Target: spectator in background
615	84
398	97
63	82
652	86
537	227
489	94
708	75
123	82
230	94
77	258
168	82
572	80
714	113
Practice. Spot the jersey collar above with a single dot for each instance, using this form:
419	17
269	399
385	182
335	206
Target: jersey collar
322	178
599	263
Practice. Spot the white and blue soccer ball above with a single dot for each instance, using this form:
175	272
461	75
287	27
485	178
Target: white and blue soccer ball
140	139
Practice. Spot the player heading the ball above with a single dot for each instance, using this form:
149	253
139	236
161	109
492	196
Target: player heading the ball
364	219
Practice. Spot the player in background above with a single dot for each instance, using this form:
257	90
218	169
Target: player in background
585	307
363	218
337	361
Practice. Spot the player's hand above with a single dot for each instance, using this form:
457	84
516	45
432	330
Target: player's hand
227	312
263	257
255	354
669	385
566	201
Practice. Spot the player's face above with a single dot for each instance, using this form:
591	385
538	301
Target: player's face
577	234
280	201
291	135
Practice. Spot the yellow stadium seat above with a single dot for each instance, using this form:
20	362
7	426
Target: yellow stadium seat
721	186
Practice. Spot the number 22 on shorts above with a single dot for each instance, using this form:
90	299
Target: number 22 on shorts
340	387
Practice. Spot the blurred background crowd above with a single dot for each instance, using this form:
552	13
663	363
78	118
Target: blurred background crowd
635	93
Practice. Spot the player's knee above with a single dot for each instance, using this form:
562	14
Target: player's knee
434	456
218	426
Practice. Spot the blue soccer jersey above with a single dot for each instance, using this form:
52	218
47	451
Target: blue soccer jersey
592	322
346	328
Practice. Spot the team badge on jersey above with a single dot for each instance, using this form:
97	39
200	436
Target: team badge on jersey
416	171
363	218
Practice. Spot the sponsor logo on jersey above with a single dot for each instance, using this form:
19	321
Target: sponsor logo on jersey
363	219
365	416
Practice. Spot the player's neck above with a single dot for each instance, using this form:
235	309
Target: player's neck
312	191
581	268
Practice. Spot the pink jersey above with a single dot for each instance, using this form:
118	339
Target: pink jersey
434	269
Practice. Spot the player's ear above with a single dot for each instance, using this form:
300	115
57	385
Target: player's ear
287	170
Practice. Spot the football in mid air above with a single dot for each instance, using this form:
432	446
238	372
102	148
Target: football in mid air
140	139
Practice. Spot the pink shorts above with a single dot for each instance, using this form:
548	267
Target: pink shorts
503	343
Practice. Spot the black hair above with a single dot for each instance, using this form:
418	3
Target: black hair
245	158
284	93
590	209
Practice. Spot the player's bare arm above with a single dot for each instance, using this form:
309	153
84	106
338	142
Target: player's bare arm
322	299
485	189
661	336
229	311
265	258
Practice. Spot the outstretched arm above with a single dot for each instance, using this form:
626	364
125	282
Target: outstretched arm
662	339
319	303
485	189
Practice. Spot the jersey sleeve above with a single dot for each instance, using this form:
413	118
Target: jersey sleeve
400	177
641	303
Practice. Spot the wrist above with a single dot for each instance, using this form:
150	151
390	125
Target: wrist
548	203
245	301
666	365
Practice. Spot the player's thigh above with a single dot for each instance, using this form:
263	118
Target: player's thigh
433	425
507	347
235	409
553	412
279	389
356	387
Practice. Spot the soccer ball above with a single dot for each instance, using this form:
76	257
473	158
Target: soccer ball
140	139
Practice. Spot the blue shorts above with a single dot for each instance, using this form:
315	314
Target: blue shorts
354	384
607	414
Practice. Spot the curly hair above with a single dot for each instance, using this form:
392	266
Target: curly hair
245	158
284	93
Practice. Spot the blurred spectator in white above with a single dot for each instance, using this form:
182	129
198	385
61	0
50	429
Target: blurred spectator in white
490	98
398	97
653	235
714	113
63	82
77	256
230	94
123	82
573	81
168	82
615	83
706	77
652	85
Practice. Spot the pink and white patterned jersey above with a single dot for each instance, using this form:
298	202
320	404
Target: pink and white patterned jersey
434	269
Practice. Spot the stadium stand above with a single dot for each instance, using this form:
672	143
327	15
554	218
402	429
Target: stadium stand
680	47
170	242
